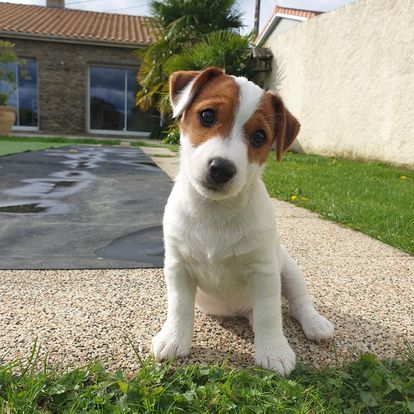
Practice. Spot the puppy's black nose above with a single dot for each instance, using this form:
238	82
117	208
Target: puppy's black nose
220	170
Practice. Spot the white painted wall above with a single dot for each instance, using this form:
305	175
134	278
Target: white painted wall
348	76
284	25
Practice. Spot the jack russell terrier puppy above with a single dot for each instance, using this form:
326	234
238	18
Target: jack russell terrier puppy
222	250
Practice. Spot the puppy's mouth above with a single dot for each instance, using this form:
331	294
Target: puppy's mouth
212	186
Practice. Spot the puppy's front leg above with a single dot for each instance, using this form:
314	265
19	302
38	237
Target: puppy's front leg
174	339
272	350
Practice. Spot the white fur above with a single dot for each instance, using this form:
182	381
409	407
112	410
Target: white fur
222	252
183	99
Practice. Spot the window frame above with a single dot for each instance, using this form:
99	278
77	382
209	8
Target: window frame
18	128
89	130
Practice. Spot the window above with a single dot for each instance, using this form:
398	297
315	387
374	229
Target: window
24	98
112	102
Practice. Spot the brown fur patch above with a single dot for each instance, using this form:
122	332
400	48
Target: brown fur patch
265	119
288	125
220	94
277	122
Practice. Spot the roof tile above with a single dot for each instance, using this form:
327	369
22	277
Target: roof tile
69	24
297	12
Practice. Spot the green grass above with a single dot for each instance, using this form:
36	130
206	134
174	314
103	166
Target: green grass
364	386
171	147
161	156
11	147
374	198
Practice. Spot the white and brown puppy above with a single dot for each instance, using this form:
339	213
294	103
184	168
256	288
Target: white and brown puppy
222	249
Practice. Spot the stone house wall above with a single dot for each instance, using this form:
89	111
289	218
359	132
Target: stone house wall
62	70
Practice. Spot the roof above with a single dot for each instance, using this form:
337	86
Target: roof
284	13
68	25
307	14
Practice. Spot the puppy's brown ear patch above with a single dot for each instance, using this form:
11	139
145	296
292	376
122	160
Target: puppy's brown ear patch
287	126
180	95
178	81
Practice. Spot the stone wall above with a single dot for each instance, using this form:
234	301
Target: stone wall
348	76
63	79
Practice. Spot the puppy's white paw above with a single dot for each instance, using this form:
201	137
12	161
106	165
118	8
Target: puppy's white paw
277	356
317	328
169	344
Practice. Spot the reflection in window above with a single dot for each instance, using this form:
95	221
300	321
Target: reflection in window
112	101
24	97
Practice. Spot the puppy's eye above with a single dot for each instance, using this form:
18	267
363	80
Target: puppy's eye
208	117
258	138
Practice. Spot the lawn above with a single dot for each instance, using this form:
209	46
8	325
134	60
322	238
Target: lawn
374	198
12	147
363	386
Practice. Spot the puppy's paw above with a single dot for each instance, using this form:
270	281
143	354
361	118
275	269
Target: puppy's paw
169	344
317	328
277	356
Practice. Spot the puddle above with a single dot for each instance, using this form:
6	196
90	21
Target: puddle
144	246
23	208
33	205
65	183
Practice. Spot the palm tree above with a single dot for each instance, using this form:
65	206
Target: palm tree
183	24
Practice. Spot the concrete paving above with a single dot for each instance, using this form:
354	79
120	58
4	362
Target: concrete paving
363	286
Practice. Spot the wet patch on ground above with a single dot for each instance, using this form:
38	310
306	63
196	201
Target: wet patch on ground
60	206
143	246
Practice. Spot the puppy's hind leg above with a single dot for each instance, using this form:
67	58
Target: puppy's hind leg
315	326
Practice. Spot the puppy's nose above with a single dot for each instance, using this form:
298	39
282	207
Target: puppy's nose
221	170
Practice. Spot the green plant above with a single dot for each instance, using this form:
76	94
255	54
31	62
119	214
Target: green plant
7	75
227	50
172	134
182	24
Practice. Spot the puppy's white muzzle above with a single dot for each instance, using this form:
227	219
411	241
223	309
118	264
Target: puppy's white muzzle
217	169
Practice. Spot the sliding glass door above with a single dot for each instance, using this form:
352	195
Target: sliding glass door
112	102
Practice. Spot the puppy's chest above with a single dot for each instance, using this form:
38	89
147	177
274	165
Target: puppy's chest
222	245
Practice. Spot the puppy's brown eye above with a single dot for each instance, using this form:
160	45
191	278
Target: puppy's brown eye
258	138
208	117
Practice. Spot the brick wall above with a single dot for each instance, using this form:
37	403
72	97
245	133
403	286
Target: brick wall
63	79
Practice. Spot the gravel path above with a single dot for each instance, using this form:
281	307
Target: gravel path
364	287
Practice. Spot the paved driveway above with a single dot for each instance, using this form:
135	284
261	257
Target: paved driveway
81	207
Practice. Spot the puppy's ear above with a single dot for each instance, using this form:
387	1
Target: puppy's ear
185	84
287	126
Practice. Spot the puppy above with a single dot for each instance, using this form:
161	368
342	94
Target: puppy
222	250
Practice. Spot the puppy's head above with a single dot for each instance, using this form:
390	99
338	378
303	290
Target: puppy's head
228	126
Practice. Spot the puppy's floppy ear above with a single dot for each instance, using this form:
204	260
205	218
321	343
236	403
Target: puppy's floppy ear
185	84
287	126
